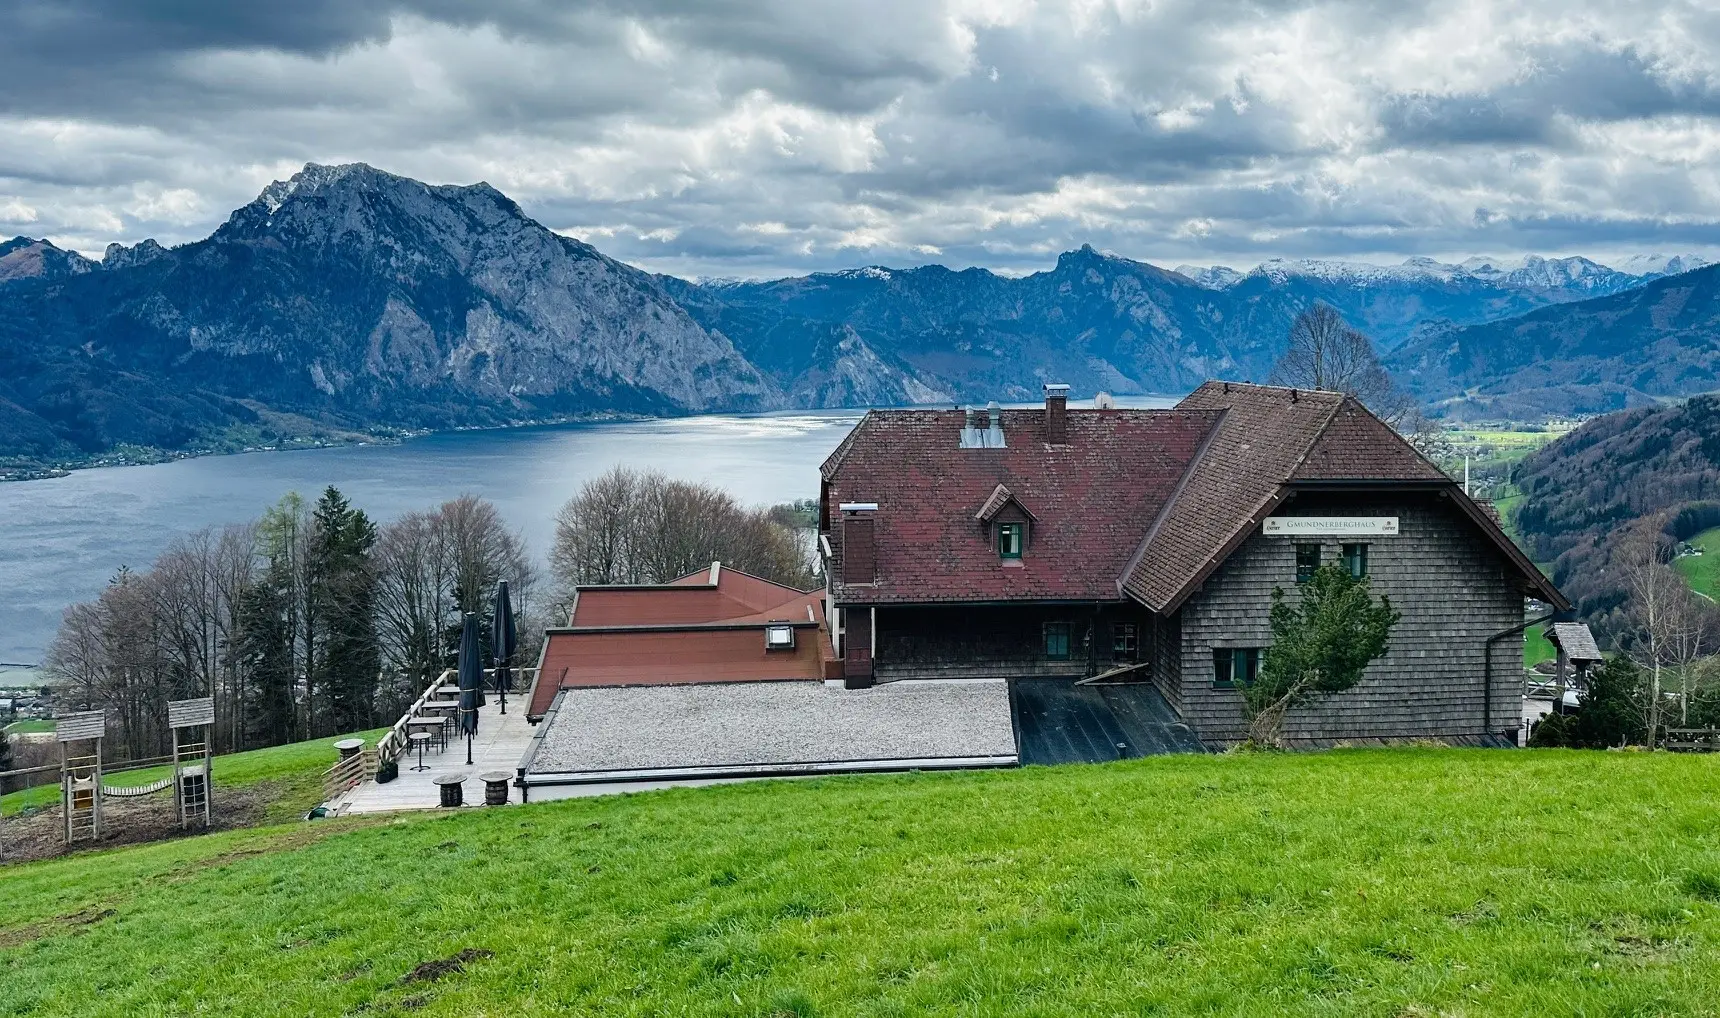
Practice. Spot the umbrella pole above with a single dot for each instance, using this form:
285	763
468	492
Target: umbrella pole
502	688
468	749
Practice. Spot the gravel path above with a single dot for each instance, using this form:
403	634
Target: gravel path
751	723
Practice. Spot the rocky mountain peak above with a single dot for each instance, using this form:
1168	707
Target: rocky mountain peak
27	258
118	256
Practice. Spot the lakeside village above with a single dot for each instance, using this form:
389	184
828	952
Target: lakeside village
988	588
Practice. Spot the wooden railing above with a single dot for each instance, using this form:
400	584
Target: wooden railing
392	744
1692	740
348	773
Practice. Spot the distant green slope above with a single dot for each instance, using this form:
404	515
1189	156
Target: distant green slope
1369	882
1702	571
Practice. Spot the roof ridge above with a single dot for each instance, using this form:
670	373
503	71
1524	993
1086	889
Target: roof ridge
1273	495
1176	493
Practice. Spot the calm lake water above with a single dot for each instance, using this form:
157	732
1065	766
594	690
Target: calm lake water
61	539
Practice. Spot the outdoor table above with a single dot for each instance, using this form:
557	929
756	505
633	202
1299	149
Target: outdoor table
348	747
419	739
452	788
495	787
436	728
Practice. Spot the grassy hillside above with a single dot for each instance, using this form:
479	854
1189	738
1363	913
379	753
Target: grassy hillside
28	727
295	770
1412	882
1702	571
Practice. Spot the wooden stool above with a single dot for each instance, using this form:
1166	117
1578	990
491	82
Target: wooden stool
453	789
495	787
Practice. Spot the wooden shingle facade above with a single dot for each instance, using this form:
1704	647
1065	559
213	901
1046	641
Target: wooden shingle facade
1145	555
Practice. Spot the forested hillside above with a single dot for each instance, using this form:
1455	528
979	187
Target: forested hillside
1588	492
1592	356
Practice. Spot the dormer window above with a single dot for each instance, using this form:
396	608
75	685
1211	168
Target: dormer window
1008	520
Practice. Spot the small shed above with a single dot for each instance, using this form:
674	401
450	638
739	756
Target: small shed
1576	649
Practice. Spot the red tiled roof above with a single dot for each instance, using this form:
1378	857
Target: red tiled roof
1260	442
1272	439
1356	445
1093	496
1140	502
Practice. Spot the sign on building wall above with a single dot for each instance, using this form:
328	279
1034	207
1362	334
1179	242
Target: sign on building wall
1336	526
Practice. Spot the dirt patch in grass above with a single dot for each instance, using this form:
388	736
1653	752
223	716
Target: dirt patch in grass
36	931
40	834
430	971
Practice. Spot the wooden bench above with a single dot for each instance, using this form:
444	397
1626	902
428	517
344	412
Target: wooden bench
1692	740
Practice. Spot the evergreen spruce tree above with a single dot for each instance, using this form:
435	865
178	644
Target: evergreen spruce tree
266	649
344	593
1320	645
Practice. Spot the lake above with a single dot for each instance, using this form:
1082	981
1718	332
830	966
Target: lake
62	538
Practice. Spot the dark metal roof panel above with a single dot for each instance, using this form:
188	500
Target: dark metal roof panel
1059	722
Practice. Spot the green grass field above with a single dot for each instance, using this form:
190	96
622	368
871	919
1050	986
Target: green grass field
296	770
1537	648
1702	572
29	726
1367	882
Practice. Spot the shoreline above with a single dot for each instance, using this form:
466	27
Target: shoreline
144	456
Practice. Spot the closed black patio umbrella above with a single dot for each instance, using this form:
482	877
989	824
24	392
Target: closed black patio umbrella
471	679
503	635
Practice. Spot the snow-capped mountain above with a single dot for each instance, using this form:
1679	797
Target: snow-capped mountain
1529	272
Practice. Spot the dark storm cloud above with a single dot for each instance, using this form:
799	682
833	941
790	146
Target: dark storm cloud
738	137
1558	88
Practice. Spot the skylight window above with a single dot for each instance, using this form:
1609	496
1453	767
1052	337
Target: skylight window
779	638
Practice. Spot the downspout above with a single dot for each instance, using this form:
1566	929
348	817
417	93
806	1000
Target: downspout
1487	668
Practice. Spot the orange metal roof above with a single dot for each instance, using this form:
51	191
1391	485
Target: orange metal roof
707	626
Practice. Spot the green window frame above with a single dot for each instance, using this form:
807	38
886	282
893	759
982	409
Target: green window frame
1057	641
1356	560
1307	562
1235	666
1011	538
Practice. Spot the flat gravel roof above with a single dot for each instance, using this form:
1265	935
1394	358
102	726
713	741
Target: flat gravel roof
763	724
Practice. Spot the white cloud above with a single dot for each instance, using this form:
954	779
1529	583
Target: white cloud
743	137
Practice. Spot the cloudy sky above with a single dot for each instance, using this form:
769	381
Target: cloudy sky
763	137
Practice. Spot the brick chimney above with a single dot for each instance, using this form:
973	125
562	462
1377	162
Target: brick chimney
859	543
1056	413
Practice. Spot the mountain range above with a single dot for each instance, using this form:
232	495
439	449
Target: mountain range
1594	356
350	299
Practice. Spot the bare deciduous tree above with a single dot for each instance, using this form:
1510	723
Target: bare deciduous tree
594	531
1326	353
632	527
431	567
1657	594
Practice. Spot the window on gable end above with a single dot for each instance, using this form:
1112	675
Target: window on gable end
1307	562
1356	560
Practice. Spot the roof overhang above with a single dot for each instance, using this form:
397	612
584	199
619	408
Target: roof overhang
681	627
1050	602
1534	579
